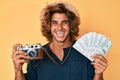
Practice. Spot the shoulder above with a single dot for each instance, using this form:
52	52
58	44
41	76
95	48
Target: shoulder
45	45
78	56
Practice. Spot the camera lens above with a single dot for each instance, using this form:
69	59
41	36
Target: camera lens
31	54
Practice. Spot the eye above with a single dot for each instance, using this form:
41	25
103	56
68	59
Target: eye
66	22
53	22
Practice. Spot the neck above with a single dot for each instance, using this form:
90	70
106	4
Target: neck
57	48
60	45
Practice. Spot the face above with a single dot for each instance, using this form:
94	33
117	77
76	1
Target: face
60	27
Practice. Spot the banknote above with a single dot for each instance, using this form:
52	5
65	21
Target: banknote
92	43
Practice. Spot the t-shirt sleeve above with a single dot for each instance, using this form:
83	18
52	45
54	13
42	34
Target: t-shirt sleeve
91	70
32	70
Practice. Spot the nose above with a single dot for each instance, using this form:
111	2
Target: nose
59	26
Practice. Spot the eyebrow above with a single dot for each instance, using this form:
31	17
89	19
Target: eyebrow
53	21
62	20
67	20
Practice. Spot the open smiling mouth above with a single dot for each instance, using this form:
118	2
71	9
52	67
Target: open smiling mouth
60	33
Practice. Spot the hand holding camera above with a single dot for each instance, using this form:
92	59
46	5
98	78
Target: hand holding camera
18	57
33	51
22	54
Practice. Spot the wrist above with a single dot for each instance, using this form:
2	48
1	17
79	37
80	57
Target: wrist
98	76
19	75
17	68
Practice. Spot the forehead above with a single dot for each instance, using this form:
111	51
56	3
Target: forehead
59	16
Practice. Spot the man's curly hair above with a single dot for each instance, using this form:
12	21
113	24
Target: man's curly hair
46	16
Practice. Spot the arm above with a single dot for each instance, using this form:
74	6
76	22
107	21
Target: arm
100	65
98	77
19	75
19	58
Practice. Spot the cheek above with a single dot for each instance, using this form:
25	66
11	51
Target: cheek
67	28
52	28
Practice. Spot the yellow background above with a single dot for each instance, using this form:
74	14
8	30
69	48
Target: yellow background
19	23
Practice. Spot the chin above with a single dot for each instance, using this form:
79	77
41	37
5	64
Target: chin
61	40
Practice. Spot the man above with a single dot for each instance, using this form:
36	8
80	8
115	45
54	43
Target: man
60	61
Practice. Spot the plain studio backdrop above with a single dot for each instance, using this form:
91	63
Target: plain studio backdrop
19	23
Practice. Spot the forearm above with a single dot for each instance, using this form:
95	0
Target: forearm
19	75
98	77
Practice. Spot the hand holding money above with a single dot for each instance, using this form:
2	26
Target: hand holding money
92	43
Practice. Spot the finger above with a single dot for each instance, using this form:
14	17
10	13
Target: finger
23	57
20	52
98	70
21	61
17	57
14	47
97	64
16	53
26	61
100	61
98	56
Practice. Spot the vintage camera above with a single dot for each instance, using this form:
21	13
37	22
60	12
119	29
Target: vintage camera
31	50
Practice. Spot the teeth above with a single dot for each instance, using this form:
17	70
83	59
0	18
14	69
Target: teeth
60	34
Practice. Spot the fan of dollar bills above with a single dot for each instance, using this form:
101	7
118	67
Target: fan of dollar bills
92	43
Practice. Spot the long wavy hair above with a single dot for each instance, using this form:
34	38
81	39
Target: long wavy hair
46	16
